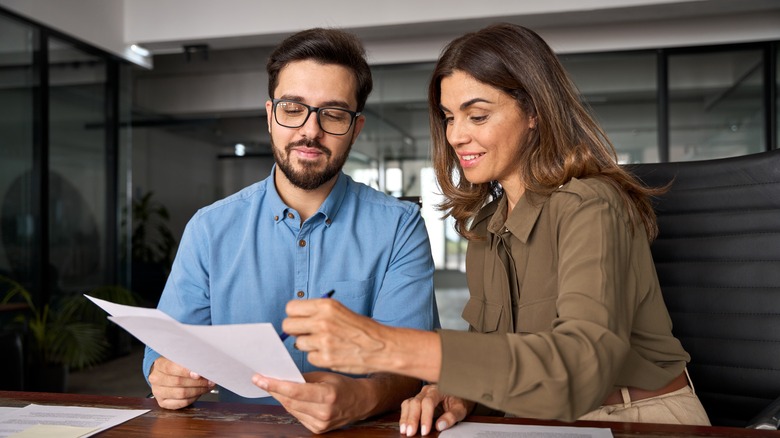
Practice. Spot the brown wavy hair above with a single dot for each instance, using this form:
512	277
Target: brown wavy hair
567	142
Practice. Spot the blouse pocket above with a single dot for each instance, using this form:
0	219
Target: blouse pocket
482	316
537	315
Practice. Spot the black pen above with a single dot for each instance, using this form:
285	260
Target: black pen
328	294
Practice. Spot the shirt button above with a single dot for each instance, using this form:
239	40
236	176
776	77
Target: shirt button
300	294
276	218
327	221
301	243
291	216
487	397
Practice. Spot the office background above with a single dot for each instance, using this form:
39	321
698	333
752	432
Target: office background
106	103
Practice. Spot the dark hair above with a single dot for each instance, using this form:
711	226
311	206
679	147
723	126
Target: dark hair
566	143
327	46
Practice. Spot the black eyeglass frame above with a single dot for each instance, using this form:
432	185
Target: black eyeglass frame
316	110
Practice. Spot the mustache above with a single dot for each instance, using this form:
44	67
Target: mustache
309	143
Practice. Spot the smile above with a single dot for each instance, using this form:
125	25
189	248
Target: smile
470	157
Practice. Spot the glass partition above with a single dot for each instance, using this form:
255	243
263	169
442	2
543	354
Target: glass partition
18	234
715	104
77	169
621	89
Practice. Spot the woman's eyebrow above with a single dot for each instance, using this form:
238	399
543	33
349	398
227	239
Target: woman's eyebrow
466	104
470	102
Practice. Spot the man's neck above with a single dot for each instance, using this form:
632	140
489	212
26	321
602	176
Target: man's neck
305	202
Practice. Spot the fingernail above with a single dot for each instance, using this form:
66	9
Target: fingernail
194	375
262	384
441	425
402	429
423	430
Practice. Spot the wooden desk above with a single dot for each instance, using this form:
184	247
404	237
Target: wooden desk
211	419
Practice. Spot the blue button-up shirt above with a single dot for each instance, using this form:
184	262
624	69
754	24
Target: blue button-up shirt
244	257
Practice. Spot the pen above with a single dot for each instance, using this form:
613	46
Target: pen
328	294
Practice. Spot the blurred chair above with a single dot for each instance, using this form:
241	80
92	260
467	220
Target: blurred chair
718	262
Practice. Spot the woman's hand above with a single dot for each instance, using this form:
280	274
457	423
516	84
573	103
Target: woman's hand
336	337
420	410
341	340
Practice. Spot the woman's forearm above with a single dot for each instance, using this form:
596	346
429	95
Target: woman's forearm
414	353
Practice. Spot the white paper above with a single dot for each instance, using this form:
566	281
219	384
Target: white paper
228	355
88	421
490	430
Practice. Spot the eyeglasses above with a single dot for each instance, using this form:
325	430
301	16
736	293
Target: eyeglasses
292	114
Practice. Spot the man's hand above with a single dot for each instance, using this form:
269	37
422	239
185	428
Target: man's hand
174	386
328	401
420	410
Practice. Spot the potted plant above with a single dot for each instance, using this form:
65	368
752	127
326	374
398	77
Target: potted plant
152	247
59	338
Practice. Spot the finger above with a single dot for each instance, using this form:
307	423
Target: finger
410	416
427	408
176	398
288	390
301	308
456	410
447	419
166	366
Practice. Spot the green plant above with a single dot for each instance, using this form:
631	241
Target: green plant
152	241
54	338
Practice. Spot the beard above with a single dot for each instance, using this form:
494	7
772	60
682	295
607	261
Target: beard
308	177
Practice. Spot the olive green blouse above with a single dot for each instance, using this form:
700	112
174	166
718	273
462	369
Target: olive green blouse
564	307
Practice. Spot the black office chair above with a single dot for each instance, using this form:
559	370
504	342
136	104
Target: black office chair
718	261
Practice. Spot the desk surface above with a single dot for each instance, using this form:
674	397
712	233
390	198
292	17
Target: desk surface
211	419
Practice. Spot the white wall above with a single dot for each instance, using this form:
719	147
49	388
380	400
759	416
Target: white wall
405	30
100	23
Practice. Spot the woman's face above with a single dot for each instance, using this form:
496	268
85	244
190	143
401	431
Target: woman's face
486	128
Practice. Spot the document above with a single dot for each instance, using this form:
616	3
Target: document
61	421
487	430
228	355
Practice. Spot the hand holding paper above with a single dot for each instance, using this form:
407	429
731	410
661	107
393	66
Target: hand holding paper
228	355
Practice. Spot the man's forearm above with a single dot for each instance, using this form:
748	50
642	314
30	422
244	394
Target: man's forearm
387	391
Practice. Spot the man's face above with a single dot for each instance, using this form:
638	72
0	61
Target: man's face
308	156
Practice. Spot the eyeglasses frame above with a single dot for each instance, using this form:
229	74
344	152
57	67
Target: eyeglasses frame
316	110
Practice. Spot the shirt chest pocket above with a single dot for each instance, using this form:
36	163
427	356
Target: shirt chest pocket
483	316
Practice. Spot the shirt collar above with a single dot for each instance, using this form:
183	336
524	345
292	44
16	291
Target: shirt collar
521	220
333	202
328	209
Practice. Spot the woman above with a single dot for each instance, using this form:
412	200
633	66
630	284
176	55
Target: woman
566	316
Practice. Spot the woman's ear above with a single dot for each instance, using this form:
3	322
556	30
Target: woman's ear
532	122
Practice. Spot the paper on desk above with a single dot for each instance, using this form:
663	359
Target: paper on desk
228	355
62	421
474	430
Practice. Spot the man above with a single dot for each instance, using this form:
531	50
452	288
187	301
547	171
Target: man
303	231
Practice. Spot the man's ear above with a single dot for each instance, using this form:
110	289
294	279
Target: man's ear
269	106
359	122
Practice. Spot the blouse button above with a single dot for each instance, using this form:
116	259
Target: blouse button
327	221
300	294
301	243
290	215
276	218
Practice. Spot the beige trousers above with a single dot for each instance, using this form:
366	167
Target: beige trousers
677	407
